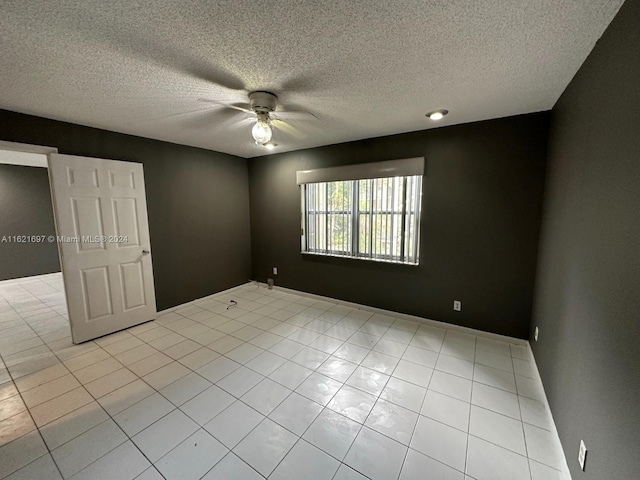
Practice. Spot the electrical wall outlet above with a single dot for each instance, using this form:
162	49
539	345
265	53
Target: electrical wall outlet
535	334
457	305
582	454
275	270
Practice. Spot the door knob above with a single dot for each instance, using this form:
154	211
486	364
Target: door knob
146	252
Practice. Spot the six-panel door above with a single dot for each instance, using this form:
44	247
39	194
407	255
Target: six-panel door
103	238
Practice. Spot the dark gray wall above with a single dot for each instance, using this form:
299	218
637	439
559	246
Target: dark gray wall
198	203
25	209
588	288
482	197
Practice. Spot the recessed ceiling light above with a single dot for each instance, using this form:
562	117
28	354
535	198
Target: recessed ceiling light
437	114
270	145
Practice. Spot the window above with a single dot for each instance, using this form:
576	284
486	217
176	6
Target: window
369	218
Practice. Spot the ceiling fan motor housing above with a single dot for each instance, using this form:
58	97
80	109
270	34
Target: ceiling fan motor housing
262	102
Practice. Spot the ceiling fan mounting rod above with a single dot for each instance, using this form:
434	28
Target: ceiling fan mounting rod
262	102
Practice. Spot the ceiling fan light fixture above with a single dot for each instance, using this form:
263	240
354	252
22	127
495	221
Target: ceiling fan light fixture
261	132
437	114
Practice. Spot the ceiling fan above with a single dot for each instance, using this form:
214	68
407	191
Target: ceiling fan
269	114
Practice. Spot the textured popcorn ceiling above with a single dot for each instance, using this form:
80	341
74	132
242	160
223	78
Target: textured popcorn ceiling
364	68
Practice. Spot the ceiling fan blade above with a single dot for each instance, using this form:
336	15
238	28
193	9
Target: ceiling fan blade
243	107
294	115
287	128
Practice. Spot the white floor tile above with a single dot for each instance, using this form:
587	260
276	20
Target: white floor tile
47	391
192	458
185	389
124	397
107	384
332	433
182	349
149	364
403	393
266	340
233	424
494	377
451	385
352	353
161	437
535	413
265	363
232	467
43	468
218	369
486	461
290	375
543	446
528	387
413	373
21	452
142	414
244	353
319	388
441	442
125	462
393	421
266	396
496	400
206	405
73	424
376	456
225	344
493	346
454	347
85	449
363	339
265	446
240	381
428	340
16	426
543	472
494	360
371	381
60	406
150	474
286	348
11	406
337	368
348	473
455	366
296	413
421	356
166	375
420	467
447	410
496	428
305	461
352	403
198	358
98	370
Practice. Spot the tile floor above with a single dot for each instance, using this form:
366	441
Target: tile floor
281	386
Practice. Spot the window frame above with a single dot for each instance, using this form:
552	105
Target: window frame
354	251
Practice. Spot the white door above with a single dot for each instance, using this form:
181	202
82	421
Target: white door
100	211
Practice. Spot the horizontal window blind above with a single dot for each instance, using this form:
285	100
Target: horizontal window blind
377	219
